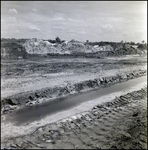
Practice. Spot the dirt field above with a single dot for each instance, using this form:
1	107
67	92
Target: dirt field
23	79
118	124
29	75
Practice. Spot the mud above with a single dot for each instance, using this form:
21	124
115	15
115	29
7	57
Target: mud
39	112
30	98
118	124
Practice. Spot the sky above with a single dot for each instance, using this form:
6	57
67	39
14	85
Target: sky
80	20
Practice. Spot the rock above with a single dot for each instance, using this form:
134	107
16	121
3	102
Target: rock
88	118
95	107
125	135
95	113
37	95
79	116
11	101
49	141
108	104
73	117
31	98
13	146
69	119
135	114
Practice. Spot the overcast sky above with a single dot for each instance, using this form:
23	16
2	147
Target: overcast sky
79	20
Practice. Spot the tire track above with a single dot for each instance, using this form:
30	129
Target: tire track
121	123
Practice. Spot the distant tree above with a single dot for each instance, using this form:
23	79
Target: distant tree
132	43
52	41
72	40
114	45
87	41
142	46
58	40
143	42
127	42
124	45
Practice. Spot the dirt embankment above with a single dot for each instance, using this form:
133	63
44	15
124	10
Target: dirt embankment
118	124
26	48
24	99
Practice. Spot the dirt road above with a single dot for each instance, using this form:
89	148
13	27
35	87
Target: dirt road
120	123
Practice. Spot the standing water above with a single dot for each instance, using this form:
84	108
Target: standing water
33	113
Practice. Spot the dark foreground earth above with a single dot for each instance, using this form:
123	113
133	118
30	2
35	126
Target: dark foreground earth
118	124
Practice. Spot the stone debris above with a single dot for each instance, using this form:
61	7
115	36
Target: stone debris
34	98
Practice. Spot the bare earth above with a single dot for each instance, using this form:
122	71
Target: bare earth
27	75
120	123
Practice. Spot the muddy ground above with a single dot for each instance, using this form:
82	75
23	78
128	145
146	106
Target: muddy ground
29	82
118	124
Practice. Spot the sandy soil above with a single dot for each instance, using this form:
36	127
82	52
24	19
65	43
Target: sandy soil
22	76
118	124
115	125
21	88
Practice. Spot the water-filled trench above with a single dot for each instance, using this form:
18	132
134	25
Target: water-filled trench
33	113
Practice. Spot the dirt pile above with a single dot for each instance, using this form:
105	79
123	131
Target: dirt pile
25	48
13	49
42	47
36	97
118	124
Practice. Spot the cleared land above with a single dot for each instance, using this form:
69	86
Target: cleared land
33	81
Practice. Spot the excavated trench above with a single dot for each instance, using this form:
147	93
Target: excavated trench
31	98
118	124
37	112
